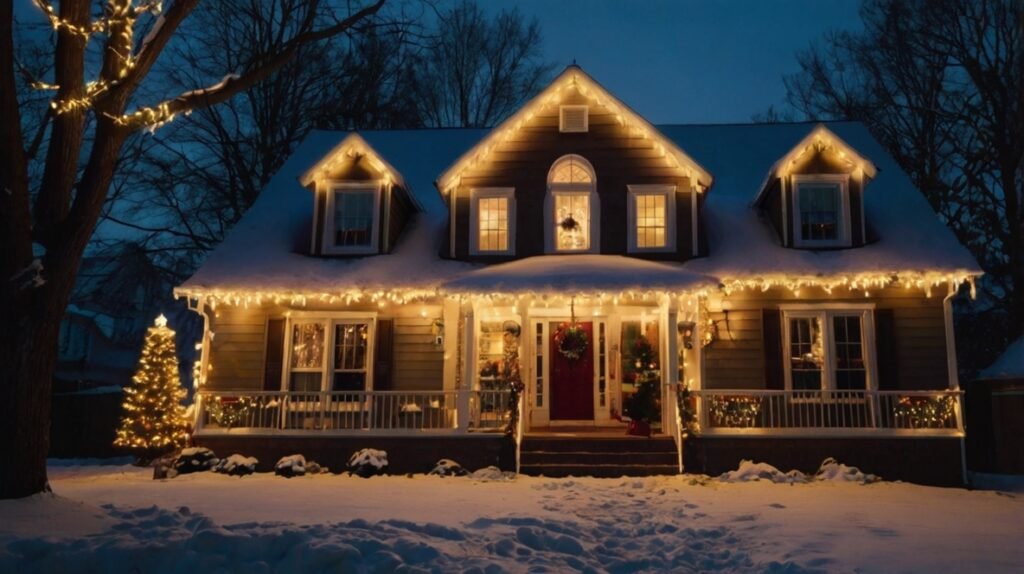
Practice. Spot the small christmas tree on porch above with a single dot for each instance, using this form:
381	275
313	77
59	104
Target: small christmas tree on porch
153	421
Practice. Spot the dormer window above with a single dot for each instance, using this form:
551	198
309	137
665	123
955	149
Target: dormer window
821	210
573	119
492	213
572	207
353	213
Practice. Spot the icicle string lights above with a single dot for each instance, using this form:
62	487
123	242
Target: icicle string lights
865	282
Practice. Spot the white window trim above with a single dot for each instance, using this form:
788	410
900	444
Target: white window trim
844	236
330	320
329	248
825	313
572	188
561	118
669	191
476	194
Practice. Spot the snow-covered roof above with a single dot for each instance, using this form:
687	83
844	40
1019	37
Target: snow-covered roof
1009	365
266	251
586	274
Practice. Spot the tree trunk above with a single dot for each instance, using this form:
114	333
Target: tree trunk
28	355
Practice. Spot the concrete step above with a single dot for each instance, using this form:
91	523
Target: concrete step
598	444
532	457
598	470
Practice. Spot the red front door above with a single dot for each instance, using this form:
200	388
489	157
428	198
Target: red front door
572	381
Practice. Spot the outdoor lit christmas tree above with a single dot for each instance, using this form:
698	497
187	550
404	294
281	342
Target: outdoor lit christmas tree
154	420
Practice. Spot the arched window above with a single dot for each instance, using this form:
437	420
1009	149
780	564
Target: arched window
572	206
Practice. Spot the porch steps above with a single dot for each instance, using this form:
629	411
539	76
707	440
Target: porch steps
603	457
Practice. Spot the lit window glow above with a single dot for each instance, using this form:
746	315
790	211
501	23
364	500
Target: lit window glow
650	220
572	221
493	221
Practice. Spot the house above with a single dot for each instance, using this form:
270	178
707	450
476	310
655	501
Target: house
782	291
995	400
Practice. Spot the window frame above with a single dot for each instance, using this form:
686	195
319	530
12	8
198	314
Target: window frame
562	188
844	236
327	241
632	229
478	193
825	314
573	107
327	367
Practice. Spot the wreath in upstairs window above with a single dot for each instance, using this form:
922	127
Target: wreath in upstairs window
571	340
569	224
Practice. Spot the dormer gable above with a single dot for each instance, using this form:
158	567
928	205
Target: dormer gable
572	79
814	194
361	203
574	171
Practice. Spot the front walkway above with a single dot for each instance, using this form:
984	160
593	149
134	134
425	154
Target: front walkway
202	522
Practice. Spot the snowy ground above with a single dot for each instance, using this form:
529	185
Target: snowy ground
116	519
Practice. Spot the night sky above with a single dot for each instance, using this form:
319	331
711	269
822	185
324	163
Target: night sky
686	61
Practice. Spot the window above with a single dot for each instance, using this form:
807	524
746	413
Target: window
572	221
651	218
312	369
573	119
821	211
572	207
352	218
492	211
825	348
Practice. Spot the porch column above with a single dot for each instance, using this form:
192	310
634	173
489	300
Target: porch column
468	370
670	365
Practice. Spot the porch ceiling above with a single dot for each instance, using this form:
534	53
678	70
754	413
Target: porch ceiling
580	275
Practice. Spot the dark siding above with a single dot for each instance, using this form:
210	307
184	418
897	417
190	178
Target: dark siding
274	355
321	211
885	347
735	360
401	210
773	207
384	350
774	371
619	156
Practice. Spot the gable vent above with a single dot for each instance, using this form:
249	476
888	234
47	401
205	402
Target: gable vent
573	119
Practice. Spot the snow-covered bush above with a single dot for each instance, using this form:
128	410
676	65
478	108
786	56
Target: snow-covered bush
750	471
189	460
291	465
368	462
236	465
830	470
448	467
834	471
492	473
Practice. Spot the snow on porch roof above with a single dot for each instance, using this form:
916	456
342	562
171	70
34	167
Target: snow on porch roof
266	252
579	274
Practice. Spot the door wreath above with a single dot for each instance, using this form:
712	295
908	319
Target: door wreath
570	338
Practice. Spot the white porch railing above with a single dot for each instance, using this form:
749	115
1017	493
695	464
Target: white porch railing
386	412
754	412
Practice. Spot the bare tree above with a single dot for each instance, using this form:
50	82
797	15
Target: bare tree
940	84
44	231
479	71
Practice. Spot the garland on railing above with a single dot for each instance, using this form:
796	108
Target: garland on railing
925	412
687	410
510	373
735	411
229	412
